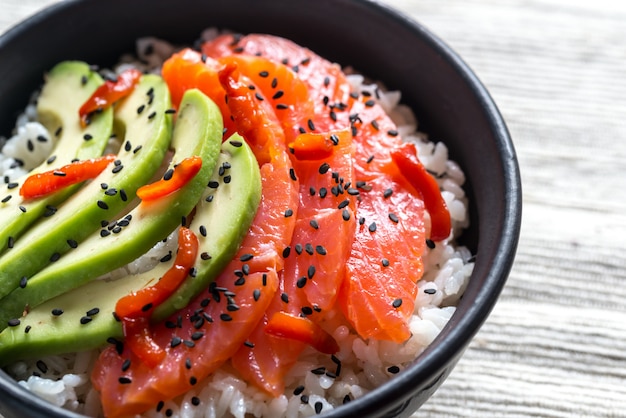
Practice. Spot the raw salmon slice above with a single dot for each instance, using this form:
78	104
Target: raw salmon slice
201	337
324	228
374	135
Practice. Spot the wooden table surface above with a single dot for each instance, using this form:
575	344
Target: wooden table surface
555	344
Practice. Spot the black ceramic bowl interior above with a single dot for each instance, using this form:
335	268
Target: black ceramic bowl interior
448	99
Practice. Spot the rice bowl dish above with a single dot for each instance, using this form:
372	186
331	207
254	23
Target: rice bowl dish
317	382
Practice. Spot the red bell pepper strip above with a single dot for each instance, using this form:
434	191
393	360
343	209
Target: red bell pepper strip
182	174
109	93
312	146
405	157
134	309
42	184
286	325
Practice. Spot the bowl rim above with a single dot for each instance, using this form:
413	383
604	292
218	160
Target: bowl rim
452	340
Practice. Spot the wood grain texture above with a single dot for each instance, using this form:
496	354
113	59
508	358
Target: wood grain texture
555	344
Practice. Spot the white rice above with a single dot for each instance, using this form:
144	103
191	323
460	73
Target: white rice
365	365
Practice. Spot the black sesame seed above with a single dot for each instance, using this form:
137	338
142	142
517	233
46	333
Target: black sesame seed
311	271
151	115
226	317
102	205
284	297
202	230
323	192
126	365
117	169
310	124
124	380
160	406
301	282
7	198
55	257
297	391
195	401
23	282
308	247
318	407
93	311
430	291
319	371
292	174
286	252
397	303
306	310
10	242
256	294
42	366
392	132
430	243
137	149
385	262
324	168
314	224
346	399
304	399
393	217
278	95
248	344
167	257
22	208
175	342
345	214
393	369
258	96
170	111
85	320
205	256
387	193
57	312
372	227
14	322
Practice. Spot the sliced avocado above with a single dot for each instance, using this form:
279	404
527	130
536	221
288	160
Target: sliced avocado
68	85
147	137
198	132
223	217
226	212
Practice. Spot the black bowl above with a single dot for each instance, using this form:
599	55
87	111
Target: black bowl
448	99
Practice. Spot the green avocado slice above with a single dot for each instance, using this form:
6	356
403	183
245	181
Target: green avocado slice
147	137
68	85
198	132
226	210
